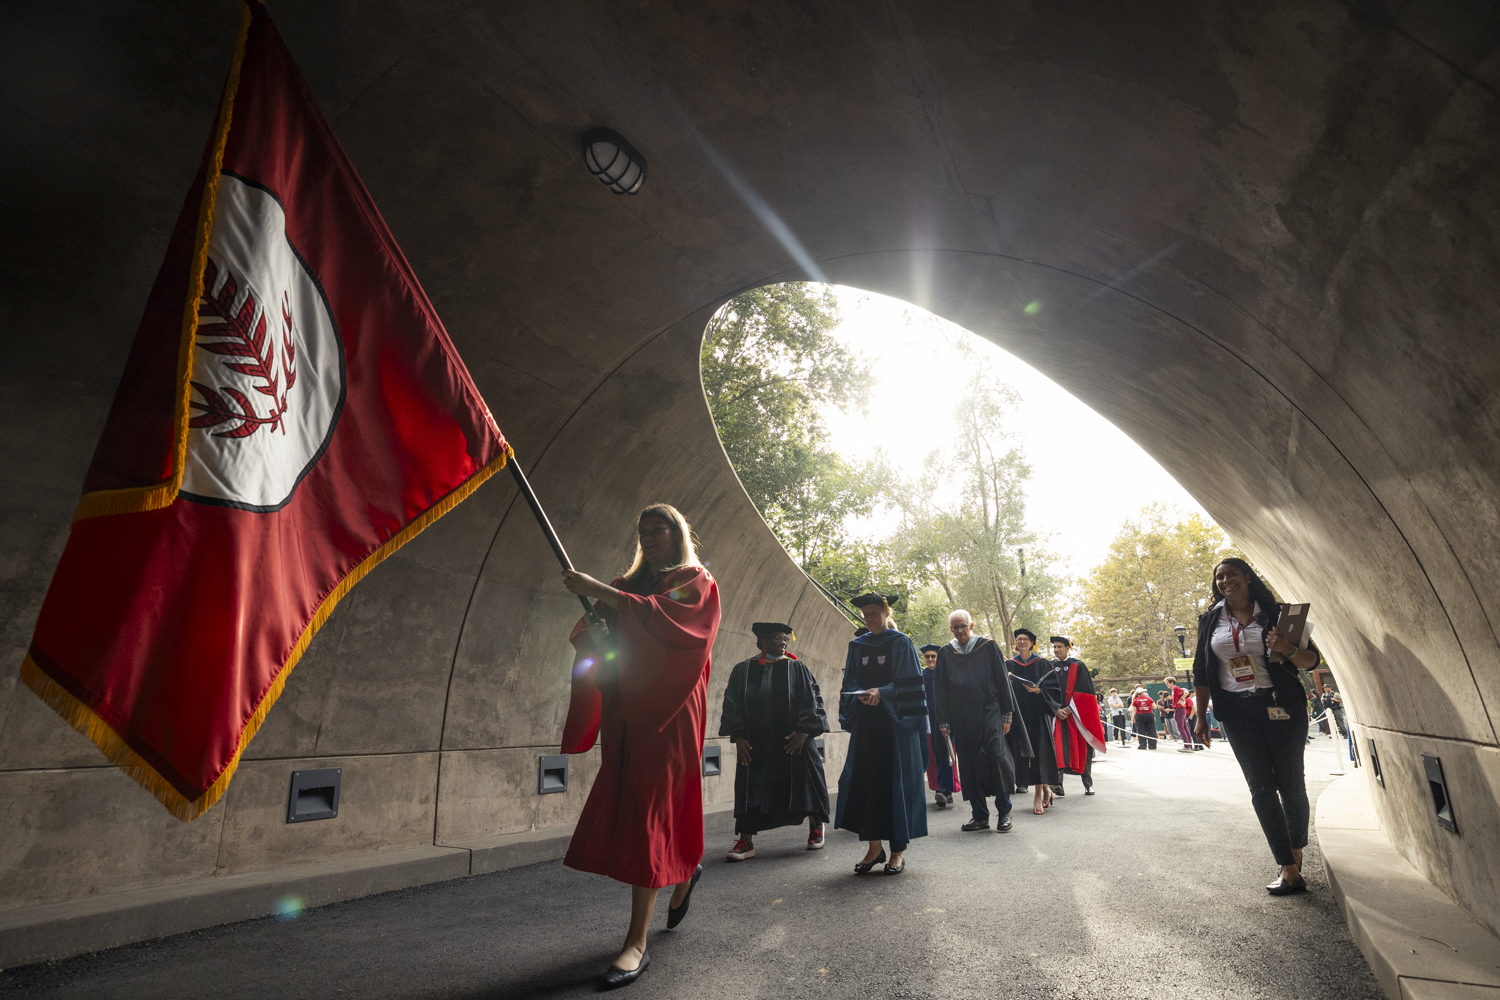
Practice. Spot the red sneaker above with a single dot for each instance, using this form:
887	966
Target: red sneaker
743	851
815	839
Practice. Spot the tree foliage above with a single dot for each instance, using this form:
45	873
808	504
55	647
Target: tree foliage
1158	574
769	362
964	526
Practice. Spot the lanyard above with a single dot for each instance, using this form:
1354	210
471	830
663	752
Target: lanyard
1235	628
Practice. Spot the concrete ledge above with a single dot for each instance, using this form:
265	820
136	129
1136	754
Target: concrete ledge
74	927
1420	943
60	930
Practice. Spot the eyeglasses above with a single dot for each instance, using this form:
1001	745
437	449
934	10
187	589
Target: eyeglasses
955	628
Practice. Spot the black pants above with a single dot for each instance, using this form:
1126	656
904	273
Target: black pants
1121	732
1270	753
1145	731
982	809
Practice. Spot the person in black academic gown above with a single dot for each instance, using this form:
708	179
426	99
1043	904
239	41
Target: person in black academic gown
940	777
975	706
773	711
1062	651
1038	695
884	709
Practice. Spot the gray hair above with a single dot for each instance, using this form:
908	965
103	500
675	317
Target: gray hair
967	617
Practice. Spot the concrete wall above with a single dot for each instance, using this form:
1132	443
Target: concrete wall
1263	239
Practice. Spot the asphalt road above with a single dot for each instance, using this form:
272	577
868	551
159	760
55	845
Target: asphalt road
1149	890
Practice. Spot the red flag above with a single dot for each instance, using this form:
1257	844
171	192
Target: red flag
291	413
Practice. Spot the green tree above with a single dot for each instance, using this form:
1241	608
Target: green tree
770	362
1158	574
965	518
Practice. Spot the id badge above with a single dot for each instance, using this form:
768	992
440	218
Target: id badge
1277	713
1242	668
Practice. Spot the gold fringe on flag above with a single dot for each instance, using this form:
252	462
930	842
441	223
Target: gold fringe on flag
135	499
103	735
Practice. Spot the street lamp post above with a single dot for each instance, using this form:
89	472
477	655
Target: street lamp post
1181	631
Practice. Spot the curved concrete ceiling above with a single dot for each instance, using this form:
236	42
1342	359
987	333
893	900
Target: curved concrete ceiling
1263	239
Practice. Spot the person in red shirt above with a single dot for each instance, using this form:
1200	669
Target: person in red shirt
645	700
1143	712
1180	713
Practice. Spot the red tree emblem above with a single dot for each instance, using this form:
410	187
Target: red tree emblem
240	335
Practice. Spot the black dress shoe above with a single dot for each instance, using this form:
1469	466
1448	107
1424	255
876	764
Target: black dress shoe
891	869
614	977
1004	825
863	868
975	824
1058	790
1281	887
676	913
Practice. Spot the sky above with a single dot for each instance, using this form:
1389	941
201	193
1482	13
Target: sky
913	347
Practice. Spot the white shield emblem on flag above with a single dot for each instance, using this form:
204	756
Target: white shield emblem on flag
880	660
268	365
865	662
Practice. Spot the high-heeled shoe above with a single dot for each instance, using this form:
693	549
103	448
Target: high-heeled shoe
614	977
676	913
863	867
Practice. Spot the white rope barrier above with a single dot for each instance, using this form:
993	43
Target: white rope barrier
1163	731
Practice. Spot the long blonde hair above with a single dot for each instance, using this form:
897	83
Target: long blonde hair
682	535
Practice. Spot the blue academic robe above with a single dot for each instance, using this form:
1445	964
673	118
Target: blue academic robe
885	742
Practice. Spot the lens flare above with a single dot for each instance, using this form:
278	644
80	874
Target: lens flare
287	908
1033	307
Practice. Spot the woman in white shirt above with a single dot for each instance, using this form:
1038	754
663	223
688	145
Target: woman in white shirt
1261	708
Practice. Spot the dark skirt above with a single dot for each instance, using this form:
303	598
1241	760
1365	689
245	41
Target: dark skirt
871	808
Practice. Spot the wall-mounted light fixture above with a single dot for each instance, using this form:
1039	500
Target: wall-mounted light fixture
618	165
1375	762
315	794
713	760
552	774
1442	804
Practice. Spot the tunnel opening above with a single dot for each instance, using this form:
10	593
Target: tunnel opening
890	449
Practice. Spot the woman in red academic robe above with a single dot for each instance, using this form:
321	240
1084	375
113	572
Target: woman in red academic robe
647	704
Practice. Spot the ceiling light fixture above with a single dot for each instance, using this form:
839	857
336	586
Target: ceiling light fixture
618	165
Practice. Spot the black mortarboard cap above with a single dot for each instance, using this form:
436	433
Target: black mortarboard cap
931	647
1061	638
763	629
1024	631
873	598
861	631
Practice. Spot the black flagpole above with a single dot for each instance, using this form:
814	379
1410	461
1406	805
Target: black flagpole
596	624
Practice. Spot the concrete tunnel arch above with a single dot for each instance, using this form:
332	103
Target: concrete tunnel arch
1300	204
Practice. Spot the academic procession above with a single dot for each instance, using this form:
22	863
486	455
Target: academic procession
490	514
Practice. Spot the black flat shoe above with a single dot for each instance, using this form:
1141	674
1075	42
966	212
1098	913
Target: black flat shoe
891	869
614	977
676	913
1005	824
1058	791
975	824
1281	887
863	868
